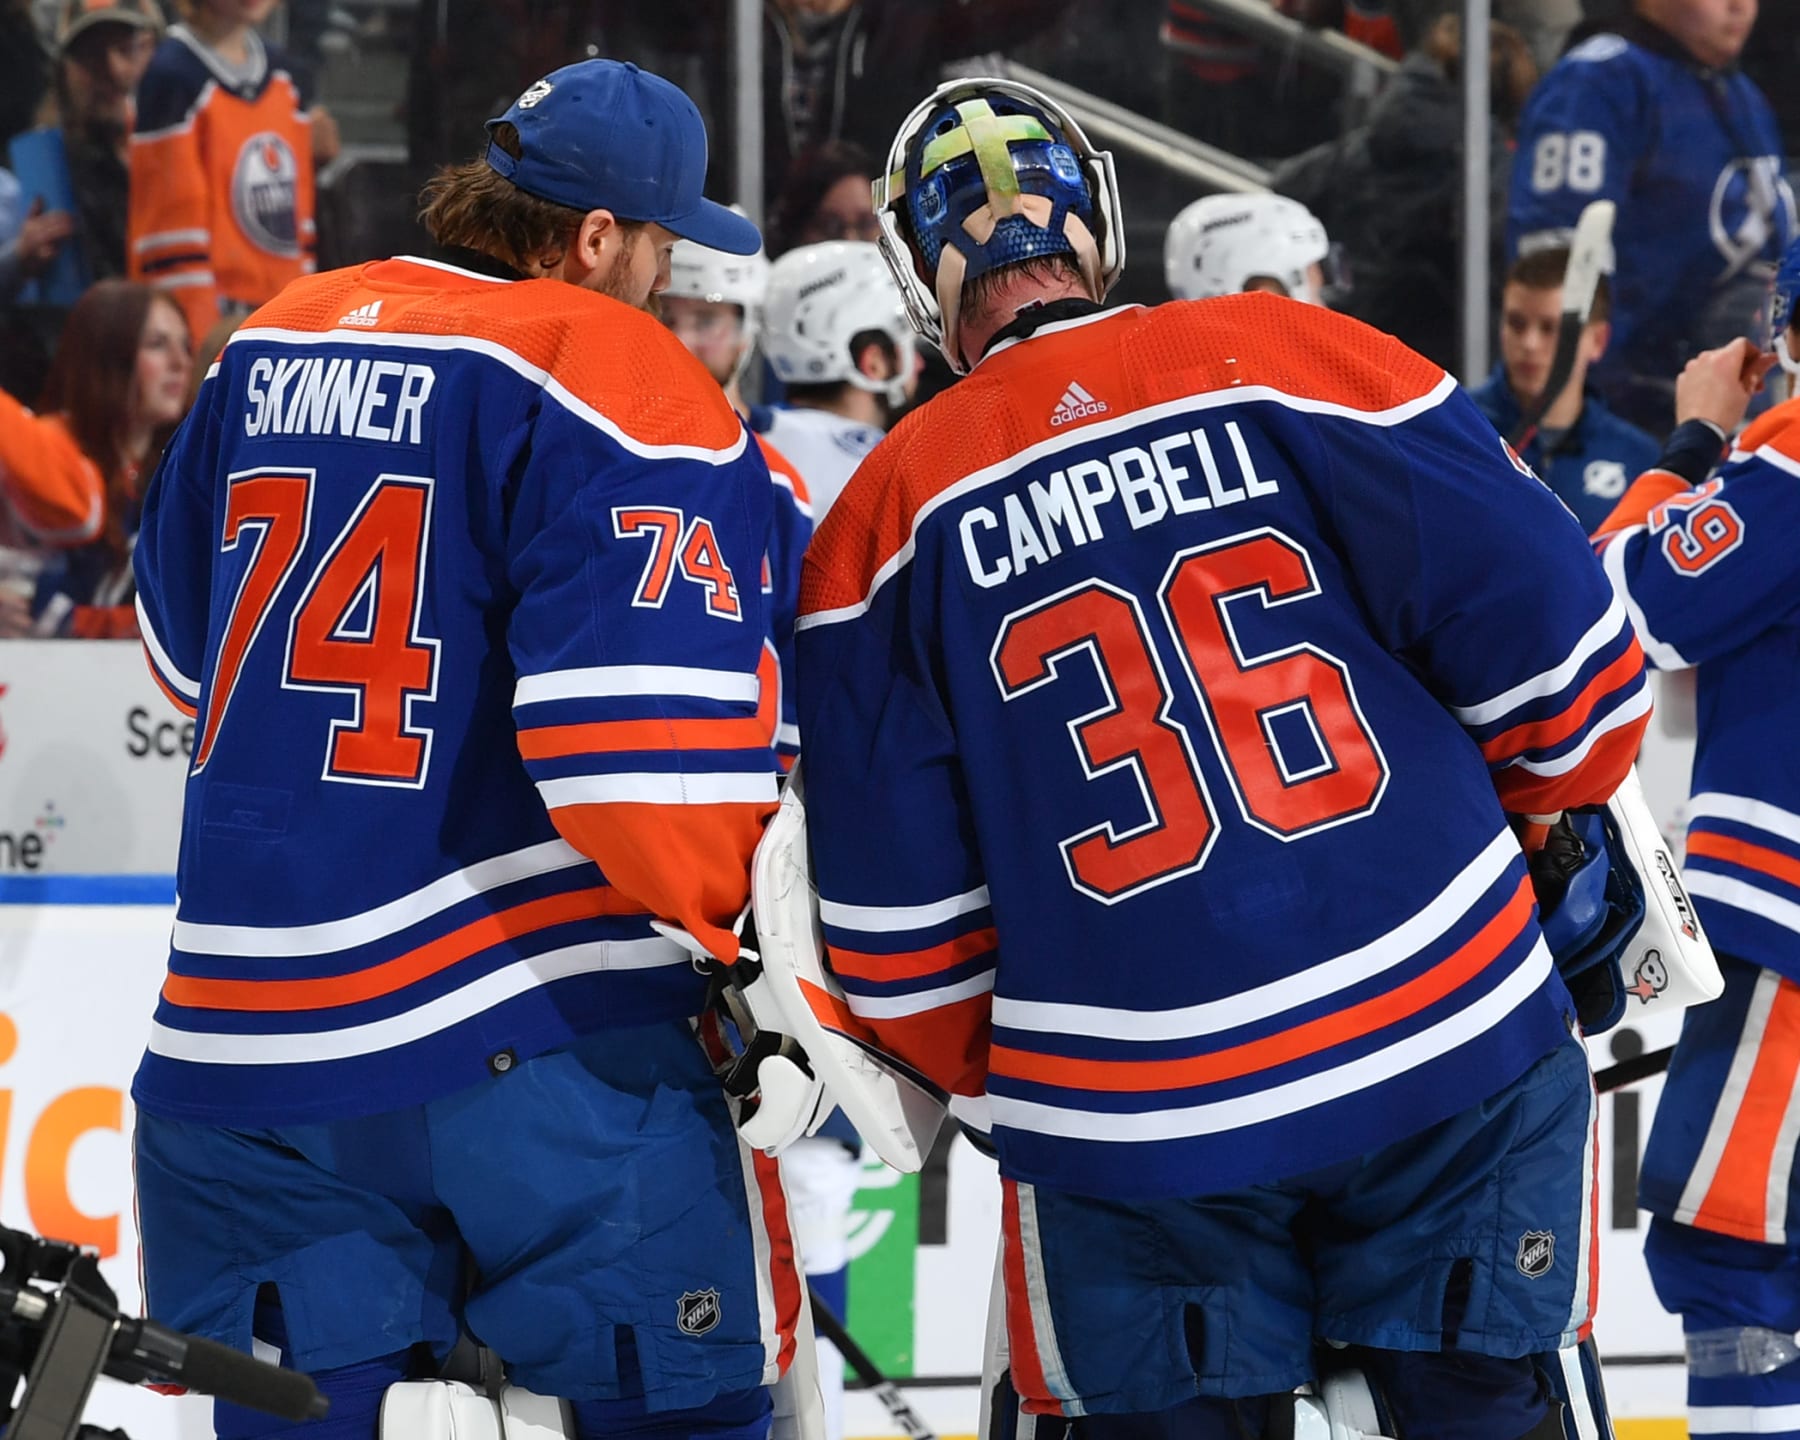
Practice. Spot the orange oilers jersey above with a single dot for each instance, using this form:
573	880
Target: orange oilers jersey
221	211
55	495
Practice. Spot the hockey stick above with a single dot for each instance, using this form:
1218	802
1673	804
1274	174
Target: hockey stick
1590	257
884	1389
1632	1071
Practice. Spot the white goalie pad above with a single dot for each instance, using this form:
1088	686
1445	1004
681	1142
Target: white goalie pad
451	1410
1669	963
897	1112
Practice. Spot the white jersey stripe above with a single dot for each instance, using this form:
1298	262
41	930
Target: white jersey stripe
652	787
1743	1419
187	689
428	1019
1259	1107
1585	1255
1288	993
327	937
1599	635
1731	1098
1581	1409
170	237
1638	705
887	920
1663	656
520	366
898	1007
1781	1173
1037	1297
1758	814
1741	895
1104	429
607	682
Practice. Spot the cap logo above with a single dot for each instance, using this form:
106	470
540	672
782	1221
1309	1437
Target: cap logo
536	93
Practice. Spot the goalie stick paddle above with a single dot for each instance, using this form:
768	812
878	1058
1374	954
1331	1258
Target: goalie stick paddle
1632	1071
1590	257
885	1390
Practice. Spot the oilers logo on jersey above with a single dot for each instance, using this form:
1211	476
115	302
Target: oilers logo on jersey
263	185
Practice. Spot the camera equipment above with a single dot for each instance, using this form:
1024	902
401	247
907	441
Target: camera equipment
60	1329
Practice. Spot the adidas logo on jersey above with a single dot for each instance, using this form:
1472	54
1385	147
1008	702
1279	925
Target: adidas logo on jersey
1076	404
363	317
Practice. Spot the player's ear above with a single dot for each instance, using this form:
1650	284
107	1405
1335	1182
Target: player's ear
875	359
1595	337
589	250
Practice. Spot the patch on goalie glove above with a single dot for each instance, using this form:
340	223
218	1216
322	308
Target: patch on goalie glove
697	1311
1537	1253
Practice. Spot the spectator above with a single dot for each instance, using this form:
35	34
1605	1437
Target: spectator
824	197
221	212
103	48
852	69
1579	448
29	235
24	68
1390	192
1656	117
73	476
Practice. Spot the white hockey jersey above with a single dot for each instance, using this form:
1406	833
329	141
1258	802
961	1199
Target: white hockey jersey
825	448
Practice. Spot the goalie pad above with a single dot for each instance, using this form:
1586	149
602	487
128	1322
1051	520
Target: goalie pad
897	1112
451	1410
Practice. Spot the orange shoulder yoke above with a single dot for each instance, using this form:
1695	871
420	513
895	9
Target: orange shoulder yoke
1778	427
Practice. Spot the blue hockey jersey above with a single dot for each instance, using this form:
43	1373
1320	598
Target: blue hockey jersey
461	577
1589	465
1157	751
790	532
1694	160
1711	578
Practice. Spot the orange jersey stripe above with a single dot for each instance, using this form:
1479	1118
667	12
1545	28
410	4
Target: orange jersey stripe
1741	852
191	711
328	991
1736	1200
1539	734
914	964
605	737
1340	1027
1649	490
1589	783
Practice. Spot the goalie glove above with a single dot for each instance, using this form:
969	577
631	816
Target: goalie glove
774	1092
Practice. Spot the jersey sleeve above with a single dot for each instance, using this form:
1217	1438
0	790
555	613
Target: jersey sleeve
902	895
173	558
1703	570
1579	141
57	493
168	241
789	533
1477	576
636	639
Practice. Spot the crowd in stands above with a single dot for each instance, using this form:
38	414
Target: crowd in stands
160	182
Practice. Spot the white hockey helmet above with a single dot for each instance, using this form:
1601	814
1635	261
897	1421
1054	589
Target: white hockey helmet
820	298
699	273
1220	243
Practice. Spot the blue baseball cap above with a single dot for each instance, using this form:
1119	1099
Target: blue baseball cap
605	135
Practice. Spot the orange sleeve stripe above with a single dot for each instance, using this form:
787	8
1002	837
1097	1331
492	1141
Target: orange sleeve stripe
1648	491
1372	1015
948	1046
915	964
185	707
1538	734
1737	1199
607	737
1590	783
326	992
1741	852
688	865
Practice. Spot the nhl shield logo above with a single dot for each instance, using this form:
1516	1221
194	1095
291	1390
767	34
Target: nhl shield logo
697	1311
1537	1253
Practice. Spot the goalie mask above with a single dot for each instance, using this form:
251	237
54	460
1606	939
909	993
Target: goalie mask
987	173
